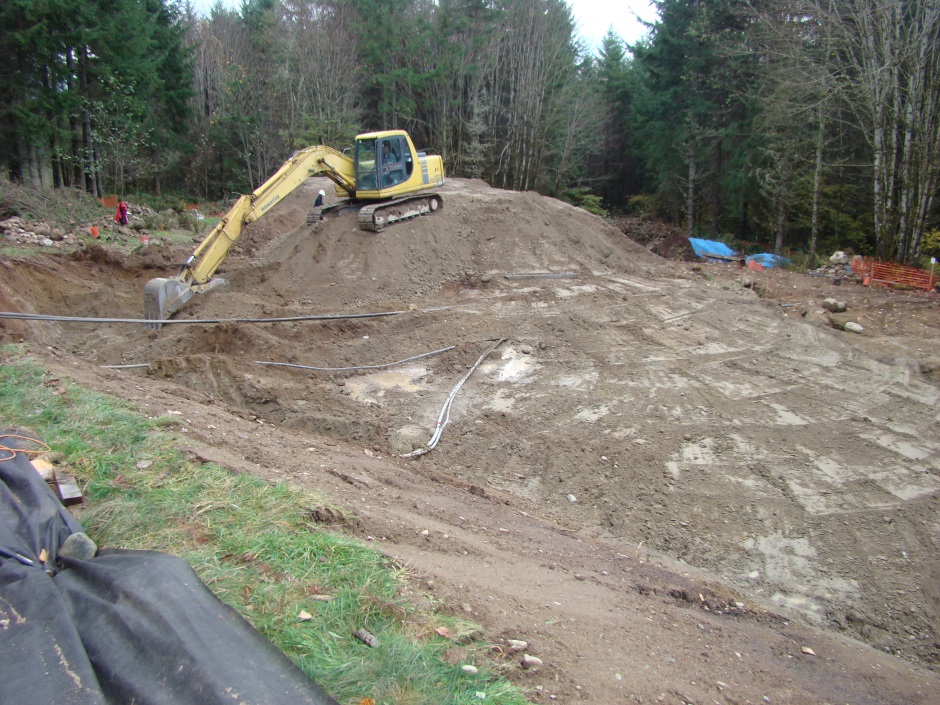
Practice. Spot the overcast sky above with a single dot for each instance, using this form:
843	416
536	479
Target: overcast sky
593	17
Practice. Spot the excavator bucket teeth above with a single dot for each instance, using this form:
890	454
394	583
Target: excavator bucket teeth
163	298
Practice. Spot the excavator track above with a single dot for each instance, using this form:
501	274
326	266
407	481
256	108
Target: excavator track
318	213
376	217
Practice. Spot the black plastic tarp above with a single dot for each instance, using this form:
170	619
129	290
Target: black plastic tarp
122	628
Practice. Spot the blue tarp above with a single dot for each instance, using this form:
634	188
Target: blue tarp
711	250
768	259
714	251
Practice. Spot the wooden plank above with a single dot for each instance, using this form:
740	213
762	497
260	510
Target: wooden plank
68	489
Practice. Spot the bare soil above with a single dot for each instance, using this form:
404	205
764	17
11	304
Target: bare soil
674	480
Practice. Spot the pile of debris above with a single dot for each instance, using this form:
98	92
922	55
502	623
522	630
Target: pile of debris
832	314
143	220
656	236
20	231
838	268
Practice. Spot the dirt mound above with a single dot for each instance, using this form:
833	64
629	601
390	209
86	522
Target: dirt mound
630	400
482	231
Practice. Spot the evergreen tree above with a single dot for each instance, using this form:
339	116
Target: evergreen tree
687	105
616	164
82	98
391	36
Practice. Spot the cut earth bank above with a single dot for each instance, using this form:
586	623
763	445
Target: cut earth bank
668	480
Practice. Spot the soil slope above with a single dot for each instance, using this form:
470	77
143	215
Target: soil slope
674	482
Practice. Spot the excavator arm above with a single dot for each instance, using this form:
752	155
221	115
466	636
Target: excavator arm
165	296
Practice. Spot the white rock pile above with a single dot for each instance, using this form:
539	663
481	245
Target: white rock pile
839	266
28	232
22	231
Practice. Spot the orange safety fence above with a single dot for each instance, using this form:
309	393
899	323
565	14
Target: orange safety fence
111	201
873	271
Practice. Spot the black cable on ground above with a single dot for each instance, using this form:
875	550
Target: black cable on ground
148	322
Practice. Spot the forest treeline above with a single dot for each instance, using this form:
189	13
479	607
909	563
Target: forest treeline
795	124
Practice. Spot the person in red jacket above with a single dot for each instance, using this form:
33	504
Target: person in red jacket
120	215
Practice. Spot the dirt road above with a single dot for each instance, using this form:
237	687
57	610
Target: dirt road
671	482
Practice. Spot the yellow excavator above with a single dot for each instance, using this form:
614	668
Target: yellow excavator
387	179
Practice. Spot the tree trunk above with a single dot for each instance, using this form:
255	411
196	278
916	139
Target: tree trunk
903	253
781	220
98	191
745	224
817	187
893	128
15	165
879	207
57	175
690	195
87	160
925	206
716	190
75	178
35	170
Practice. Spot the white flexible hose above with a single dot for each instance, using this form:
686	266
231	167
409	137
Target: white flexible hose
444	417
358	367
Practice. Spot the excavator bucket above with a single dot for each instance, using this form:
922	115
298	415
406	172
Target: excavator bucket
163	298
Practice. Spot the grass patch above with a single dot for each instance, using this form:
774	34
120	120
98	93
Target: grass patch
12	251
255	544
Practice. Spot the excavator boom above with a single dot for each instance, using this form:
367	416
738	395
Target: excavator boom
165	296
387	172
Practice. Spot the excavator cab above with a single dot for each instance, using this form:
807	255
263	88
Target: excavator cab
383	162
387	165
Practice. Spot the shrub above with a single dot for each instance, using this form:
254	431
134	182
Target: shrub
645	204
931	243
583	198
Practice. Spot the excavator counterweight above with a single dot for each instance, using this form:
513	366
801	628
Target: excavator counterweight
387	179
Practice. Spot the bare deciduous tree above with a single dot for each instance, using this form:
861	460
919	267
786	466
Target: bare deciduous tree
532	66
887	62
317	72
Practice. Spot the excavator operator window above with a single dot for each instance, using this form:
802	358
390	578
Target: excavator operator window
392	170
366	164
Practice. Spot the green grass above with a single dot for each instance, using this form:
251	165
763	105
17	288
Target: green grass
255	544
15	251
